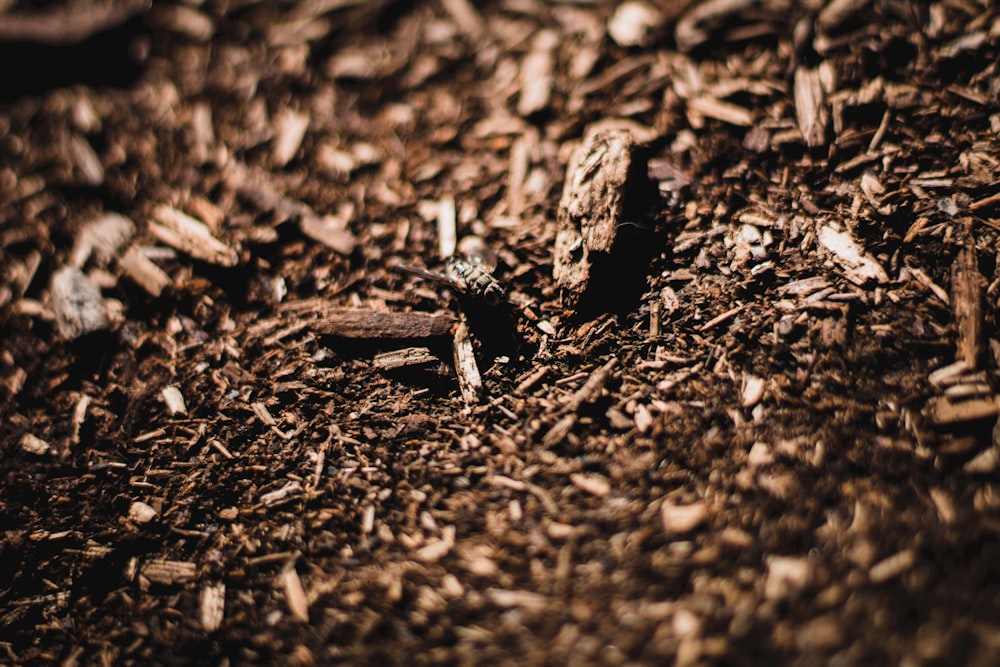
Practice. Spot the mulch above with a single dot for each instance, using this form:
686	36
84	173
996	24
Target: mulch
717	384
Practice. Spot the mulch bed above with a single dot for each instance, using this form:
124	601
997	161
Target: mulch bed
722	390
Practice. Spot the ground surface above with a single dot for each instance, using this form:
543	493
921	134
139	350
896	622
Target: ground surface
762	467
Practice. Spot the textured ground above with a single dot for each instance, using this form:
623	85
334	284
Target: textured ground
742	451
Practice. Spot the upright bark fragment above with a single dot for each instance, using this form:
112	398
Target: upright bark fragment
966	299
593	199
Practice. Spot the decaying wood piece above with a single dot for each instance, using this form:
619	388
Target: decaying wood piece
811	109
470	382
408	356
168	572
373	324
189	235
966	300
590	210
77	303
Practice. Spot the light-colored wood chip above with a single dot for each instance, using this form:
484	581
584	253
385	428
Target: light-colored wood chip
277	496
438	549
212	606
470	382
77	303
786	576
752	390
168	572
681	519
892	567
189	235
85	159
331	230
289	131
103	238
143	272
375	324
944	412
32	444
634	24
139	512
536	74
967	285
408	356
447	227
174	400
836	12
592	484
859	267
710	107
811	109
295	594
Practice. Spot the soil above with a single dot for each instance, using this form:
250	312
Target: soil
764	434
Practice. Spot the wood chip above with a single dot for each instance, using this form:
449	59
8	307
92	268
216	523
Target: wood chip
681	519
182	232
374	324
143	272
786	576
470	382
591	206
944	412
408	356
32	444
331	230
837	12
85	159
634	24
139	512
710	107
174	400
295	595
811	109
858	265
77	303
438	549
967	302
536	74
752	391
289	131
169	572
212	606
103	238
447	227
278	496
892	567
592	484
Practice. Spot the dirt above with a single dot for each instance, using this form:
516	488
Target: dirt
764	434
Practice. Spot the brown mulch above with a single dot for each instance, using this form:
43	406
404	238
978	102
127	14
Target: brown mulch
755	427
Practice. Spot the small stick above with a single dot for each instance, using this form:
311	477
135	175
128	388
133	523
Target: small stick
469	380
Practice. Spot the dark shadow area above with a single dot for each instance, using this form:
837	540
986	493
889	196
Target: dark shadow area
110	57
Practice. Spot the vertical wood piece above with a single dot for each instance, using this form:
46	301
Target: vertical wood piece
966	299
